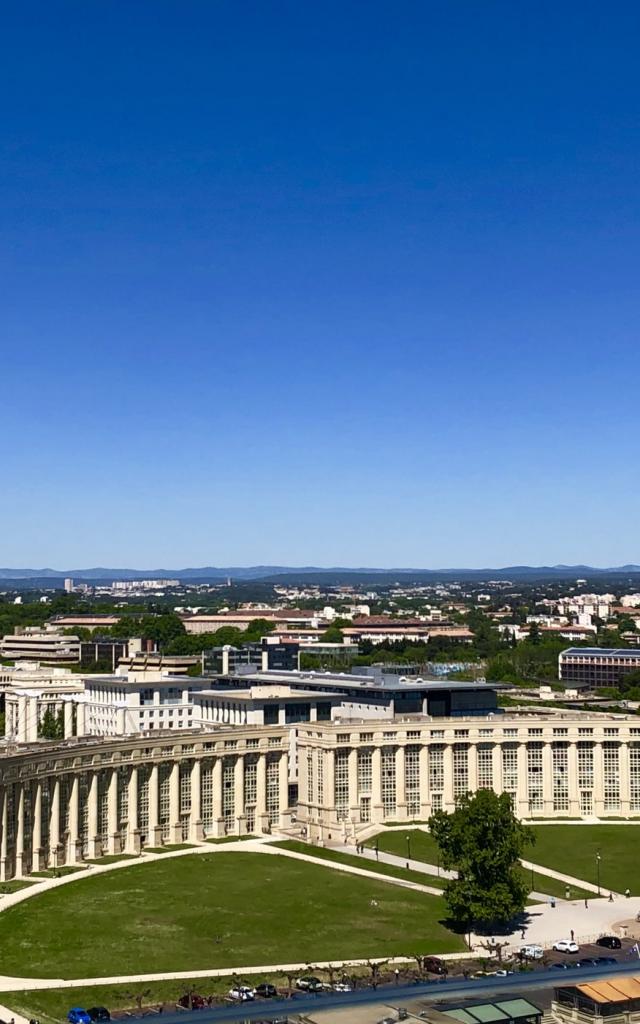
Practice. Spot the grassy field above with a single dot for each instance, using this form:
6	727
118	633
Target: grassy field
422	844
424	847
214	910
361	862
572	849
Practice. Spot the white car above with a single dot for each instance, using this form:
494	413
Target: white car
342	986
532	952
566	946
242	993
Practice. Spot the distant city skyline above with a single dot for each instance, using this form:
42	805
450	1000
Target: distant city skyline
351	286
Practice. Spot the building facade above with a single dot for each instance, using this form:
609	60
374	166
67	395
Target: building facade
556	766
63	804
594	667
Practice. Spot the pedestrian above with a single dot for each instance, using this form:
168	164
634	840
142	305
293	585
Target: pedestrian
627	893
523	933
397	975
573	935
586	904
610	897
567	893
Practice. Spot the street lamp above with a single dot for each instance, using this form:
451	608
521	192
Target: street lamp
598	859
532	885
408	847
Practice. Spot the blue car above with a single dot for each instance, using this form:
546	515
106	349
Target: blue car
77	1015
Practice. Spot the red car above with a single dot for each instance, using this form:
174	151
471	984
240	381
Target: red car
192	1002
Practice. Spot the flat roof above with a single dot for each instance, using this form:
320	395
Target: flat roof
608	652
379	683
267	694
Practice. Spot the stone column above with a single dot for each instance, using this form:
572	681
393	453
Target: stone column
133	828
196	832
114	824
155	829
36	842
94	843
32	719
472	767
283	785
377	810
218	819
68	719
121	721
625	788
20	865
497	768
73	841
238	795
262	818
3	839
401	788
175	828
81	718
55	851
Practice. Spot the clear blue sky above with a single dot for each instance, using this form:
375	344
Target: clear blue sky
339	283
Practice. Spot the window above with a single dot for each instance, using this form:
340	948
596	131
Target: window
611	776
228	793
560	732
365	771
535	732
510	770
585	732
412	780
611	732
413	734
560	776
341	784
534	776
389	781
366	737
436	802
634	776
342	737
388	735
436	769
485	733
310	776
460	769
273	789
585	765
252	744
461	734
437	734
485	766
511	734
206	795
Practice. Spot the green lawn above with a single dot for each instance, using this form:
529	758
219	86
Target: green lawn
423	847
362	862
214	910
572	849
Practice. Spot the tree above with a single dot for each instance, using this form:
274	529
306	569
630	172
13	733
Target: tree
483	841
51	726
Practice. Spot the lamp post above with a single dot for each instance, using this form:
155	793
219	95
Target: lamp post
532	885
598	859
408	847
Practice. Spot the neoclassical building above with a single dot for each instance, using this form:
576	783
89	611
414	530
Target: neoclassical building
64	802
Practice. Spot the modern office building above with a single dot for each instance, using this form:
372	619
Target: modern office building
37	645
588	668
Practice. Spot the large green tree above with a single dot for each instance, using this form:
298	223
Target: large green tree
482	840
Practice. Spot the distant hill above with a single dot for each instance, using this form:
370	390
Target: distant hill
283	572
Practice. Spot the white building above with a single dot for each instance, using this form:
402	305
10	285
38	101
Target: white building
32	644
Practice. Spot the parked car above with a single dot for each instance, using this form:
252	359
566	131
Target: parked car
502	972
585	961
307	983
99	1014
566	946
605	961
191	1002
434	965
77	1015
609	942
561	965
266	990
242	993
532	952
342	986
